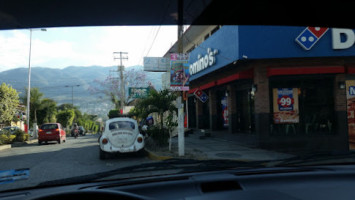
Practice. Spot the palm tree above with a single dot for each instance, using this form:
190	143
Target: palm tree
160	102
35	101
48	110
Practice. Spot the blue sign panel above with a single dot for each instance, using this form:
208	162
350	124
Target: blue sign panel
224	42
264	42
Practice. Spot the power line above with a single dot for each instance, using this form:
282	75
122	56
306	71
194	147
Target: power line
163	18
145	45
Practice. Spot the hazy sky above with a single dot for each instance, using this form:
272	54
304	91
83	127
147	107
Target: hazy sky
84	46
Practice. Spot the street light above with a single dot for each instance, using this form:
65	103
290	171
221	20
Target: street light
29	80
72	93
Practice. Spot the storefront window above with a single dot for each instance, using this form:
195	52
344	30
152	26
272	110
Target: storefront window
205	118
313	110
222	110
245	111
192	111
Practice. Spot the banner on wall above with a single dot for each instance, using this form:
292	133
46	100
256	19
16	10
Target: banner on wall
225	111
285	103
350	103
179	75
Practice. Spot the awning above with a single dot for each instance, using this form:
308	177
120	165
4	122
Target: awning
249	74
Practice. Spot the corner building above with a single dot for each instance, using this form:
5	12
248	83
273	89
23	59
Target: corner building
275	87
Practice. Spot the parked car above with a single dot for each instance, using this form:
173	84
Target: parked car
51	132
82	130
11	129
121	135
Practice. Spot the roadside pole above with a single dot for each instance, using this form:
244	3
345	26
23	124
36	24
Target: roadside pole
181	135
122	81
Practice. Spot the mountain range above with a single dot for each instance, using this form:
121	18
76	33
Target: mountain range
61	85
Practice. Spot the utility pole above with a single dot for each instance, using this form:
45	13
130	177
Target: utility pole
181	134
72	93
29	87
121	69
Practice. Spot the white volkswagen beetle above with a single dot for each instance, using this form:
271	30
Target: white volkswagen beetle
121	135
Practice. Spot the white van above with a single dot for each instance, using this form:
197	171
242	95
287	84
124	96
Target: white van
121	135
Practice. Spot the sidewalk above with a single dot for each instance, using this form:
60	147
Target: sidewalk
220	145
17	144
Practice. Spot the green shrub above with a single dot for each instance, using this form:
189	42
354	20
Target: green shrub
113	114
117	113
12	138
21	136
159	135
4	139
7	138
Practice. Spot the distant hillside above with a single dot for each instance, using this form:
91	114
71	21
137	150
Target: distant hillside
53	82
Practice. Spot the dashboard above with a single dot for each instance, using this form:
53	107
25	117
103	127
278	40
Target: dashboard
323	182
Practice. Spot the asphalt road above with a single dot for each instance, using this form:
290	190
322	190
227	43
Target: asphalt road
54	161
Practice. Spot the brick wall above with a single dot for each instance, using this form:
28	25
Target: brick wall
199	113
261	80
213	108
339	94
232	108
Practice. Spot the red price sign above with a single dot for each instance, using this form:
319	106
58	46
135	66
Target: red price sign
285	101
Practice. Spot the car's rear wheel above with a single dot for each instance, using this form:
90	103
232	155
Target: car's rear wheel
39	142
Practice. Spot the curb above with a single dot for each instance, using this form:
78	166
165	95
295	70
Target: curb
5	146
17	144
154	156
32	141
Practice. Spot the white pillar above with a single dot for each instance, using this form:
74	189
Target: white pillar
181	135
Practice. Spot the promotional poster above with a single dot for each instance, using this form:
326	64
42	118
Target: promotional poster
225	111
285	103
350	103
179	75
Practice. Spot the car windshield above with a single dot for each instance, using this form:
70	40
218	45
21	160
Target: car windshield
259	95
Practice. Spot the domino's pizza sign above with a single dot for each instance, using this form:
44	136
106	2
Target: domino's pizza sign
340	38
310	36
201	95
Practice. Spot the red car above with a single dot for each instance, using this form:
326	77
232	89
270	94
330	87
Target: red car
51	132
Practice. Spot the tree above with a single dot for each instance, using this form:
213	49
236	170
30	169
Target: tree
158	101
66	117
111	86
35	102
65	106
47	112
9	101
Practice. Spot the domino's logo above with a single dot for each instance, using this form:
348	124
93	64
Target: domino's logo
310	36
